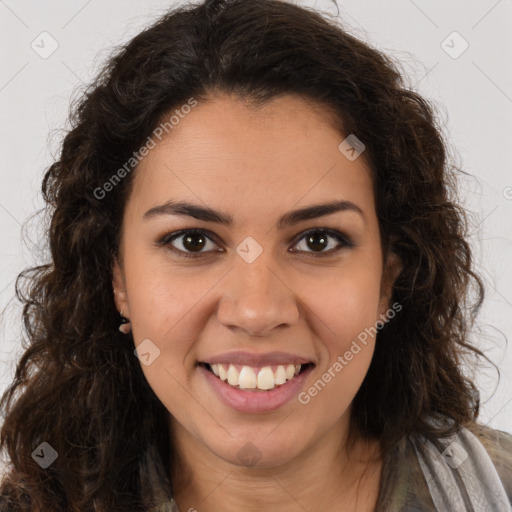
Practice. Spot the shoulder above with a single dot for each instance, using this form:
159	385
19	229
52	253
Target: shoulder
498	445
468	468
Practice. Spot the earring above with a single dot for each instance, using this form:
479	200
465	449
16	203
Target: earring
125	324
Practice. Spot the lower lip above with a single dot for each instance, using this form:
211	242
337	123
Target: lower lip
256	401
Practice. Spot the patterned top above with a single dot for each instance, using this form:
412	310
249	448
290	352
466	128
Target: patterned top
470	471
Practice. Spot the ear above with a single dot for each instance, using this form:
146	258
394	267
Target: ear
392	269
119	287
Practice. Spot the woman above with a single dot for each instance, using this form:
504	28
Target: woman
257	298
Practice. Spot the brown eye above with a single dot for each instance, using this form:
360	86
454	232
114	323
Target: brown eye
317	241
320	239
193	243
190	243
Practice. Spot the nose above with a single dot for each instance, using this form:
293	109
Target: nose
257	300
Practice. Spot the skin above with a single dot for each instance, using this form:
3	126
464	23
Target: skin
257	165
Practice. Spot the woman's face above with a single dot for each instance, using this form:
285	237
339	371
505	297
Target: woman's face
259	291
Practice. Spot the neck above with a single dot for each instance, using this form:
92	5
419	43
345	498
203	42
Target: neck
320	478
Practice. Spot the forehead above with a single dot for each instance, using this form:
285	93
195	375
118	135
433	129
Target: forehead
225	151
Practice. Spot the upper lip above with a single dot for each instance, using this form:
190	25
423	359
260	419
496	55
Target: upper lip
257	360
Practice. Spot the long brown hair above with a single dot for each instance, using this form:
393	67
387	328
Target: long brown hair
78	385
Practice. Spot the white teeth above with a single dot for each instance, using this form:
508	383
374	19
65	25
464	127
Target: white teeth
223	374
247	378
251	378
233	375
280	375
266	378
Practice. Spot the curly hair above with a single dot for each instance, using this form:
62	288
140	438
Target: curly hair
80	388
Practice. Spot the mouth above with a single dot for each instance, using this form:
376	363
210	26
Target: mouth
256	379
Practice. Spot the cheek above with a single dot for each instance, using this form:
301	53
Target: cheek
346	301
164	309
161	297
161	311
344	320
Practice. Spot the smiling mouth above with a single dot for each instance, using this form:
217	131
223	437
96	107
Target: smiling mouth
256	378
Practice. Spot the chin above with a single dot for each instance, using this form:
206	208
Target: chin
265	453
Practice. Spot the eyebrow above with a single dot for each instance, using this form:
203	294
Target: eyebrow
289	219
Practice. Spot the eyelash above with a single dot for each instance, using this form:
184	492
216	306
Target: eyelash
344	240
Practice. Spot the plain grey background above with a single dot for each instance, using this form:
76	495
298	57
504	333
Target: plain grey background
457	54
